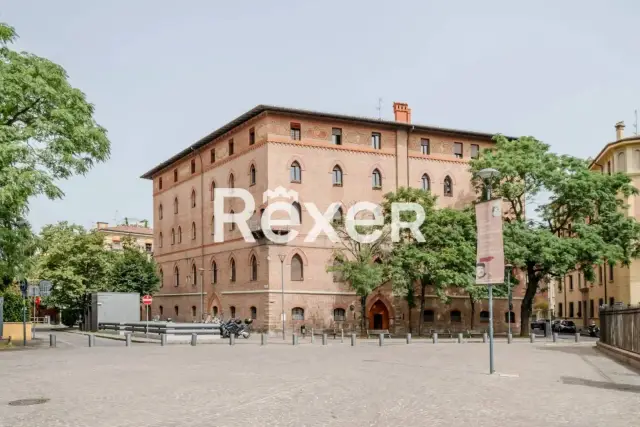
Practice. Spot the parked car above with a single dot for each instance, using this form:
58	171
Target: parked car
539	324
566	326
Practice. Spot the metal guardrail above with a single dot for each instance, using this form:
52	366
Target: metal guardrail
159	328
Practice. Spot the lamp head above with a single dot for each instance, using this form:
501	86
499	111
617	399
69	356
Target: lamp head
488	173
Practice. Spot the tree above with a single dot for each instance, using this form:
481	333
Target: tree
76	262
582	224
47	133
133	271
13	303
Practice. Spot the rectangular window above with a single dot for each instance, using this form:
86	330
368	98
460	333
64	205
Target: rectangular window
611	301
147	247
424	146
600	274
160	183
231	148
571	282
475	151
193	166
252	136
571	309
376	140
592	312
457	149
295	131
336	136
600	303
560	314
609	167
559	286
213	155
611	272
175	175
579	280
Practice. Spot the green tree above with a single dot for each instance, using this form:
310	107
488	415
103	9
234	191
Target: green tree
134	271
13	303
582	224
47	133
76	262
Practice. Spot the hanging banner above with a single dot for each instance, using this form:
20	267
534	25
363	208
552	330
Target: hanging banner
490	251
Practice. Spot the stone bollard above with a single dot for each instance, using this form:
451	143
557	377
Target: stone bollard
532	338
353	339
509	338
52	340
294	339
577	336
408	338
232	339
485	337
163	339
555	337
380	339
92	340
341	335
127	340
194	339
435	338
459	337
263	339
313	339
324	339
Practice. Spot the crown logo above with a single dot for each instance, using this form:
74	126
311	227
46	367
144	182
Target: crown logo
280	192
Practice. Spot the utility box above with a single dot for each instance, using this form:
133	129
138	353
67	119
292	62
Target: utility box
111	307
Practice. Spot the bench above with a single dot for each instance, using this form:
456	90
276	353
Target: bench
376	332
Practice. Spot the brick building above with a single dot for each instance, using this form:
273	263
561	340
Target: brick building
325	158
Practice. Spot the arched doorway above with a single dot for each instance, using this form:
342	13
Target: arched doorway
378	316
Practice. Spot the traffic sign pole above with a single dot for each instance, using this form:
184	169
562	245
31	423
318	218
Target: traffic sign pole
146	300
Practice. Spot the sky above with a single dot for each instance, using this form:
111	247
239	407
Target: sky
162	74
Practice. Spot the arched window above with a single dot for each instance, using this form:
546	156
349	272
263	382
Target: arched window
254	268
622	162
161	310
295	173
448	186
337	275
161	278
232	225
193	198
297	313
179	234
428	316
176	277
636	159
510	317
337	176
232	266
254	313
176	310
232	181
214	272
426	182
160	240
376	179
194	275
456	316
337	216
296	215
232	311
173	236
296	268
212	189
193	311
339	315
193	231
175	205
215	310
160	211
484	316
252	175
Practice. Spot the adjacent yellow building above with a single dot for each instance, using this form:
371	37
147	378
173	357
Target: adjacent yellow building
114	236
579	300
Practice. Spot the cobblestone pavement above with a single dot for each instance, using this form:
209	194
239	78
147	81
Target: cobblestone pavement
421	384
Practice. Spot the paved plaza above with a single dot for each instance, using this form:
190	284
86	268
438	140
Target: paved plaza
420	384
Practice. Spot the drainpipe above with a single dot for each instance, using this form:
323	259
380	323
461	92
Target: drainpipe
202	318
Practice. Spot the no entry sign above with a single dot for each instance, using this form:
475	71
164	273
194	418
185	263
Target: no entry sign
146	300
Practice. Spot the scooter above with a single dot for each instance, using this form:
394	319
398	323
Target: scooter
594	331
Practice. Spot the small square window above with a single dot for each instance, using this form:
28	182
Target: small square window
336	136
295	131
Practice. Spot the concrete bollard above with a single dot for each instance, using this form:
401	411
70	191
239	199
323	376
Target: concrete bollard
555	337
194	339
52	340
408	338
353	339
341	335
294	339
509	338
380	339
435	338
127	340
163	339
263	339
532	338
459	337
485	337
324	339
313	339
232	339
577	336
92	340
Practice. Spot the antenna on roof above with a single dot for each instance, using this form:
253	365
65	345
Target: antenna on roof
379	108
635	124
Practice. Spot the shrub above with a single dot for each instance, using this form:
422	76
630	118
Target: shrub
69	317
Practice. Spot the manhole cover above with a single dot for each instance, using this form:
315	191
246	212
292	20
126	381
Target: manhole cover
27	402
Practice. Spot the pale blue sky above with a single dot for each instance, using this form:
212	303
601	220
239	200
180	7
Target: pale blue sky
163	74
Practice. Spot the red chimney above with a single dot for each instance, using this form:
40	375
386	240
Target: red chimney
402	112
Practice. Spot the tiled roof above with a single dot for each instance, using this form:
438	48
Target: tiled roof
132	229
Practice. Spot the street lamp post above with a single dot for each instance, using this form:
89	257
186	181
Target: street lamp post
282	257
509	267
202	294
486	175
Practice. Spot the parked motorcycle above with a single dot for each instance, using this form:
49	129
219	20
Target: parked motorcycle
594	331
235	327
